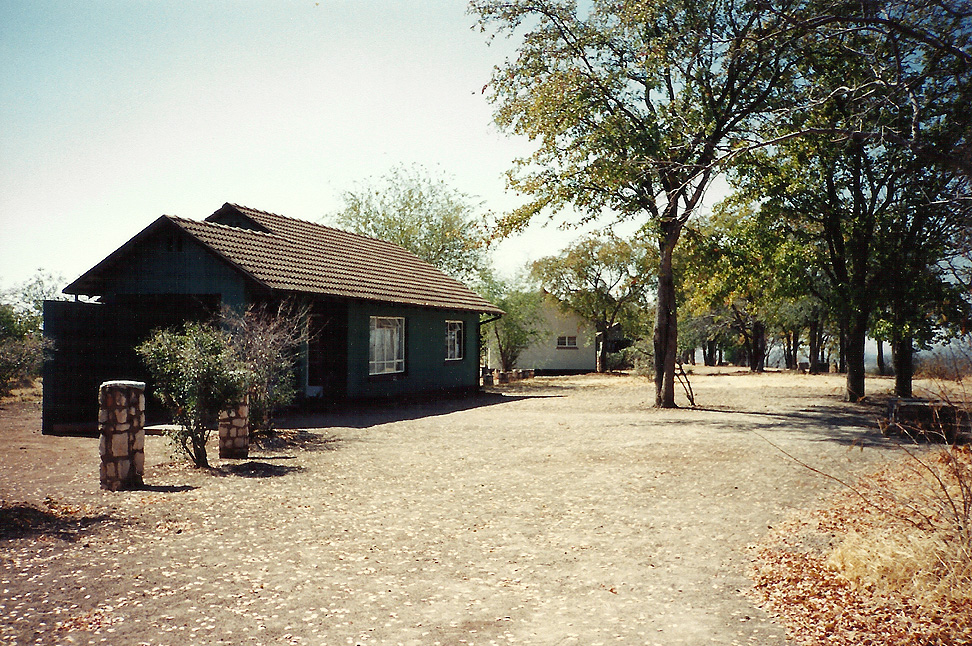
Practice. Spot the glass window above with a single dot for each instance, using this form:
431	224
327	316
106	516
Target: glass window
566	341
386	353
453	340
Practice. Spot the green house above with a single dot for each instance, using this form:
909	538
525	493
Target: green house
383	323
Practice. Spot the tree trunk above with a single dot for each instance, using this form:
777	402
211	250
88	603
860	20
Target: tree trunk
757	361
665	339
795	349
882	369
815	346
854	355
842	357
904	366
710	353
601	352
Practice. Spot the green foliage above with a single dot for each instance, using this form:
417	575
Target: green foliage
22	345
521	324
422	213
265	342
196	374
631	106
605	281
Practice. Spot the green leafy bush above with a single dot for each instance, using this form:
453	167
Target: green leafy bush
196	374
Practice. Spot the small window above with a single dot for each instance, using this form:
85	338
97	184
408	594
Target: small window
566	342
386	353
454	340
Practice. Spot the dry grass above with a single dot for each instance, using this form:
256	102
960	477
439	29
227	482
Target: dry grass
895	571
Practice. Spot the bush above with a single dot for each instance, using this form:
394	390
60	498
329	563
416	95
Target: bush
638	357
266	343
196	374
21	347
924	549
20	361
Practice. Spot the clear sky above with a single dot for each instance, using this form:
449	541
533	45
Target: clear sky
113	113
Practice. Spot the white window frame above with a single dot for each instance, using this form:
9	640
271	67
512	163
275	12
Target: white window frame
386	345
455	340
569	343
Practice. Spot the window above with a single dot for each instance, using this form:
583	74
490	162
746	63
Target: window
387	350
566	342
454	340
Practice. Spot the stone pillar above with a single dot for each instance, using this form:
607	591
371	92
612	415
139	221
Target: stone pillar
234	435
121	421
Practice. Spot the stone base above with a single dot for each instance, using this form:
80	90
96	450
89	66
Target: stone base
234	435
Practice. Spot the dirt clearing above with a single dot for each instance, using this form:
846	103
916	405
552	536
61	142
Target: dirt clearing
555	511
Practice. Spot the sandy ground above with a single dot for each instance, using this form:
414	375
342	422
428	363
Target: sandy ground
556	511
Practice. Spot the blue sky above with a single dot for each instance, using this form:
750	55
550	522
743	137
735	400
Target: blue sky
115	112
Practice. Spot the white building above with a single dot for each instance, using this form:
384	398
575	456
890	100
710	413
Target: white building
567	344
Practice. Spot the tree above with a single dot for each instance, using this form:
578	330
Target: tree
265	342
22	344
598	279
521	324
422	213
873	105
632	105
196	375
21	348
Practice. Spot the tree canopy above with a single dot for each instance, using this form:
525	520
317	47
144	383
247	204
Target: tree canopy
632	105
421	212
600	279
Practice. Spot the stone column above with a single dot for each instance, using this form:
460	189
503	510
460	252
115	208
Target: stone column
234	435
121	421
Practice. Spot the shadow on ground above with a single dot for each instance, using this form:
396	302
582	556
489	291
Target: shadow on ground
259	469
851	425
377	413
29	521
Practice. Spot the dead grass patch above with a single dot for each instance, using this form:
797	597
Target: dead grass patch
894	570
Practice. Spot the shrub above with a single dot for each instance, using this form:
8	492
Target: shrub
196	375
265	342
20	361
924	550
21	347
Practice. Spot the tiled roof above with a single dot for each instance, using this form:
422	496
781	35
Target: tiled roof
302	256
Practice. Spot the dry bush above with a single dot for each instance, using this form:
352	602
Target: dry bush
922	548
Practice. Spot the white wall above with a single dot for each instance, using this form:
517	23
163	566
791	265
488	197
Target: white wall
544	353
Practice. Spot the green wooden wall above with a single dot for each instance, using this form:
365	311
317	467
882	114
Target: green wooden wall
426	369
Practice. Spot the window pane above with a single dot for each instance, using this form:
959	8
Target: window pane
386	345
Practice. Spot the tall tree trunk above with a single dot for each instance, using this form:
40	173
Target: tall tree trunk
757	362
665	339
795	349
815	335
904	366
844	340
882	369
854	353
601	352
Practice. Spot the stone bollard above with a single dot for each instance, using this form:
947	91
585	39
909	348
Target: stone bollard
234	436
121	421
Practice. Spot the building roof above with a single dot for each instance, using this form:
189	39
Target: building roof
293	255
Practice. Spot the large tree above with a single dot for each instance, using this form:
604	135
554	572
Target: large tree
599	278
632	105
421	212
877	107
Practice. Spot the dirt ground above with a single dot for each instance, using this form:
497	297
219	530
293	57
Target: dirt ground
562	510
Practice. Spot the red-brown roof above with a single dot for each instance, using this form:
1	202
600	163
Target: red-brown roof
296	255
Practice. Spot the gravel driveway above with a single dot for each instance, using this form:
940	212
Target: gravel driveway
556	511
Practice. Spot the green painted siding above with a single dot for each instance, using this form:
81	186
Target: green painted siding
172	263
426	368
